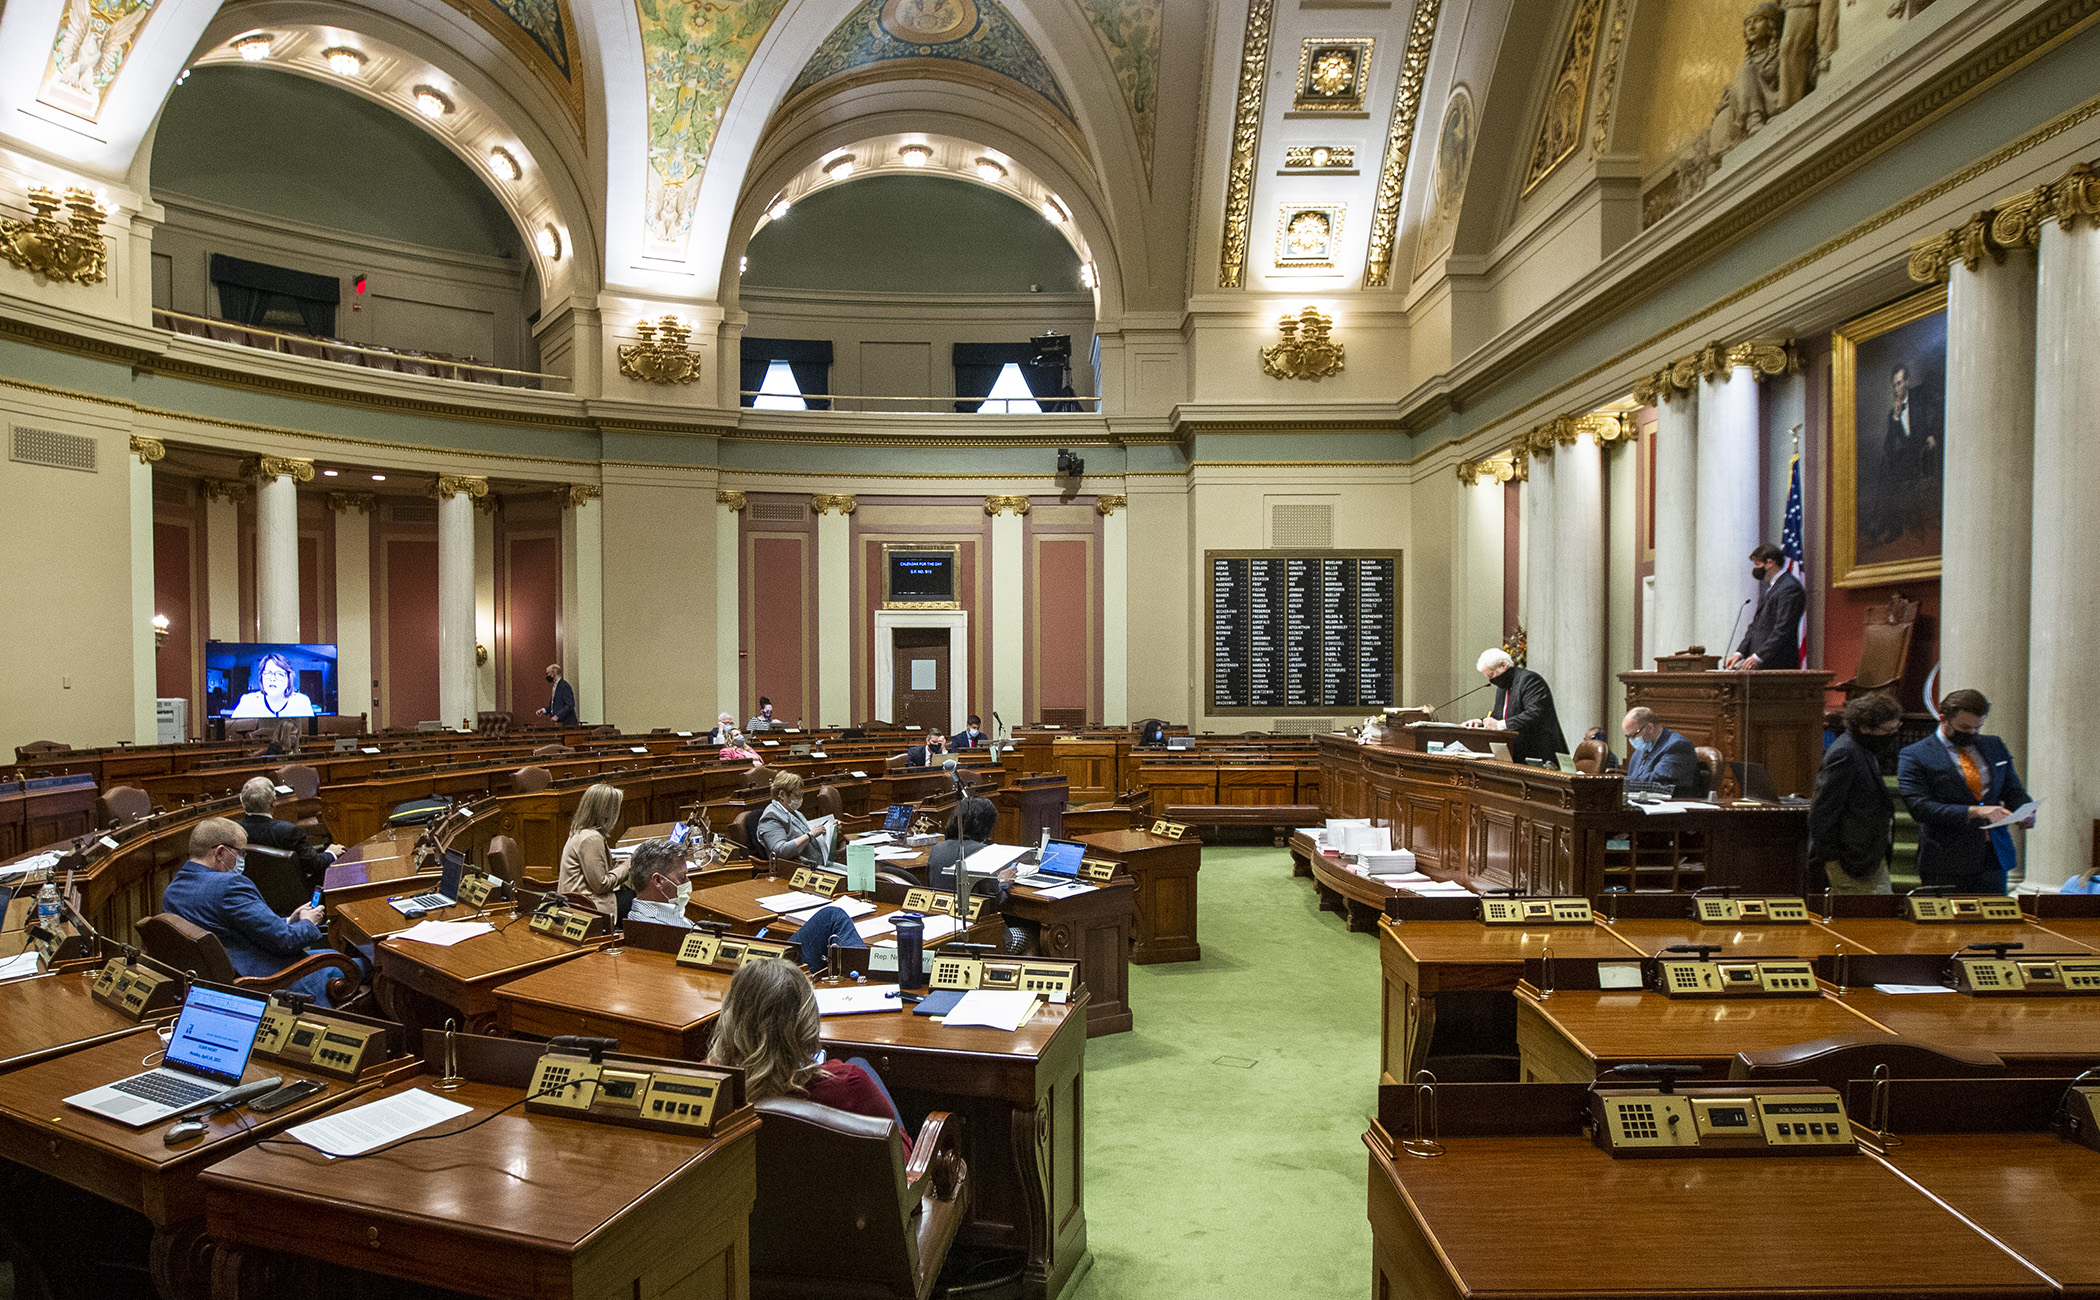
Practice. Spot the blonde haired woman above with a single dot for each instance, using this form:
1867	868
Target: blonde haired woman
769	1028
586	859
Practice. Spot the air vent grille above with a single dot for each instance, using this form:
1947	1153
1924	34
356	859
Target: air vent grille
778	512
413	512
1302	726
1301	527
51	448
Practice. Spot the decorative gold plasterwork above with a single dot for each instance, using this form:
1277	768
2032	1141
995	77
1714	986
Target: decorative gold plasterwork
1315	157
1109	502
1246	134
1520	462
1015	504
451	485
1560	133
570	495
1399	141
1765	356
148	450
1479	473
826	502
1608	83
2075	195
732	498
232	491
299	469
70	251
661	357
1306	350
2016	223
342	503
1332	74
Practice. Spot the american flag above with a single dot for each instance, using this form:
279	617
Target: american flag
1790	542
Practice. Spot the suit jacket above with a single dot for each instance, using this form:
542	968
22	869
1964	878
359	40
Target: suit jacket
258	941
1775	629
777	825
1524	704
917	756
1670	759
1850	817
562	708
971	738
1950	843
274	834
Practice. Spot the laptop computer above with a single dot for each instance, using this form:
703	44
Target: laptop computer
898	818
1057	863
445	895
1753	781
206	1056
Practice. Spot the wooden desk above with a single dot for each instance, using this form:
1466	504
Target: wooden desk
1165	872
654	1006
737	902
2045	1035
2083	931
1577	1034
1093	929
524	1206
1587	1226
1421	959
422	985
1811	940
2035	1192
1021	1098
368	920
1770	716
1891	934
1359	900
49	1015
1419	736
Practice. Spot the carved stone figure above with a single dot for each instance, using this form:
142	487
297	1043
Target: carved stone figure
1806	42
1753	98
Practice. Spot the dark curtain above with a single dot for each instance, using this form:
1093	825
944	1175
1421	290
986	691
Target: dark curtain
977	367
318	317
809	359
247	291
241	304
1046	384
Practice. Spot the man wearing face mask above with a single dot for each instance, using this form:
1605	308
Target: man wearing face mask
1659	755
1774	638
1850	819
209	891
1954	781
1524	704
561	708
660	900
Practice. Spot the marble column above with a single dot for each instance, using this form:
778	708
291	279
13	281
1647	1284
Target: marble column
277	544
834	707
1539	601
222	557
485	604
1728	510
1579	614
1989	492
1676	529
456	496
583	598
1115	608
1477	614
145	672
2063	690
353	513
729	509
1009	613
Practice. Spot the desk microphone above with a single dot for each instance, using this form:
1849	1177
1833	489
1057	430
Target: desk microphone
1456	698
1730	647
954	775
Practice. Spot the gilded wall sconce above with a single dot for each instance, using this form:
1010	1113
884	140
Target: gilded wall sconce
1307	350
661	357
68	250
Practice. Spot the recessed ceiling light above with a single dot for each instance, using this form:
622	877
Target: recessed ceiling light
778	210
254	48
839	169
548	241
379	478
344	61
743	264
1088	276
329	473
1052	213
989	170
505	163
432	102
915	155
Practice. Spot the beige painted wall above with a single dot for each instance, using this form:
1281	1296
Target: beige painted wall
660	599
1159	664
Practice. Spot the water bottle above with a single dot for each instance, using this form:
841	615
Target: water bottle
48	908
911	949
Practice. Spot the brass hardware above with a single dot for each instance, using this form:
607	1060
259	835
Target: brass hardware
71	251
661	357
1307	351
1424	1143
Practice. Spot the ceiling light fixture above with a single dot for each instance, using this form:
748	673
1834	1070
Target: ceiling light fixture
1088	276
1053	212
379	478
432	102
329	473
254	48
344	61
548	241
839	169
743	264
991	171
778	210
505	164
915	155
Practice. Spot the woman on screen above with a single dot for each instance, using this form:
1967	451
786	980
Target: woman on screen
278	697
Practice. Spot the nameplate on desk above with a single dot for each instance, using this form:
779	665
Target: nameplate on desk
913	726
669	1099
858	775
1772	977
770	744
2029	976
1932	909
134	991
1169	830
370	749
107	842
814	880
637	749
1699	1121
685	733
1731	911
571	924
319	1042
1535	911
1098	870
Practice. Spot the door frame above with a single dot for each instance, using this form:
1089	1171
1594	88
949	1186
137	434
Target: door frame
957	624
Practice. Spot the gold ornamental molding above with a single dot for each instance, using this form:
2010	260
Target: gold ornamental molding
734	499
1608	79
299	469
1714	362
661	356
1480	473
1560	131
2014	223
826	502
571	495
148	450
1306	351
1246	135
1767	357
1399	142
1015	504
342	503
232	491
1109	502
451	485
69	251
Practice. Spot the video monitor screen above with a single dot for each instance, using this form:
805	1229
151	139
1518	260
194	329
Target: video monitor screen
244	680
922	575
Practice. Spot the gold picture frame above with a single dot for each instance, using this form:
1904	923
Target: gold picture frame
953	550
1886	472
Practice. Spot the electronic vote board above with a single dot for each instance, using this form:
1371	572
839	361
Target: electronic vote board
1302	629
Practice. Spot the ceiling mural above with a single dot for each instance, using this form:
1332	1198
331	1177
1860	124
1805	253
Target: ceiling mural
542	34
94	39
693	54
978	33
1130	29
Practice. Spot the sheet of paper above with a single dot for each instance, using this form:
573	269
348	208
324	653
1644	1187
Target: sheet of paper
359	1129
1006	1009
1066	891
37	865
857	999
895	854
1912	988
873	926
993	857
860	867
1658	809
444	934
1618	974
22	963
940	927
853	907
874	837
794	900
2019	814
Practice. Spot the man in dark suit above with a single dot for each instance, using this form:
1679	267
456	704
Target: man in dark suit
258	797
1524	704
1910	456
972	736
210	891
1851	817
1955	781
1659	755
562	707
933	751
1774	638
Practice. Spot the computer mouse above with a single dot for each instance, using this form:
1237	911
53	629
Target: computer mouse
187	1130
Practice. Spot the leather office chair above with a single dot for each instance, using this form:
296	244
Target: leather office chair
36	747
504	858
341	725
531	780
1709	768
243	726
1884	647
173	941
826	802
276	875
839	1210
545	751
306	785
743	831
1836	1061
1589	756
121	805
605	733
491	723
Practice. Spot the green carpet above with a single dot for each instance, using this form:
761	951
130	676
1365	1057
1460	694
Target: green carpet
1224	1152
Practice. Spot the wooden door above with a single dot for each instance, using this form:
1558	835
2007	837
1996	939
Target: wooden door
919	680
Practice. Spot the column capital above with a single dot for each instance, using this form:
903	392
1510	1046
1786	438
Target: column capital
2075	195
733	498
299	469
826	502
1520	462
1015	504
450	485
230	490
1764	356
1107	503
148	450
342	503
1541	439
571	495
2017	222
1605	426
1480	473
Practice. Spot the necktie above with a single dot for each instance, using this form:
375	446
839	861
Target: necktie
1972	770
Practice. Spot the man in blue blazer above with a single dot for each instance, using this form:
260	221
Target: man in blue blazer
1659	754
561	706
210	891
1954	781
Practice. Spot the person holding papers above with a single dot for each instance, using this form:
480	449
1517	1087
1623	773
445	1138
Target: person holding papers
586	859
1524	704
209	891
662	885
769	1028
1957	782
783	834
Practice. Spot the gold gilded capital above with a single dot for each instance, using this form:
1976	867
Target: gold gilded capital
231	491
298	469
1003	504
1931	256
570	495
1764	357
731	497
2075	196
1520	462
451	485
342	503
1110	502
148	450
2017	222
826	502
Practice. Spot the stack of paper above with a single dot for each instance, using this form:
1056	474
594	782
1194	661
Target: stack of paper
444	934
874	925
1065	891
851	906
359	1129
19	965
993	857
893	854
794	900
1006	1009
937	928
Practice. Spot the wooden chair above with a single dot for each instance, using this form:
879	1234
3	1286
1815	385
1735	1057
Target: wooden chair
1836	1061
173	941
341	725
1709	767
605	733
840	1212
531	780
504	858
548	751
1884	647
38	747
121	805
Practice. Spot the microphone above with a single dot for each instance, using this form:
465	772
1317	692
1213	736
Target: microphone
1738	622
235	1096
1456	698
949	766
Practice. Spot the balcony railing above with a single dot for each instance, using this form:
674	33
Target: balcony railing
313	347
867	402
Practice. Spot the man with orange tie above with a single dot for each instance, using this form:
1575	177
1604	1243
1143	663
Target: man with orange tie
1956	781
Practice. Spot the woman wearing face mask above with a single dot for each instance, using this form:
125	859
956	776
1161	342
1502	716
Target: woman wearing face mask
586	860
788	839
663	886
1852	816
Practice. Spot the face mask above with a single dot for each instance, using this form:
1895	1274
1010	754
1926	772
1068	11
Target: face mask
1638	744
1963	739
550	679
240	862
685	891
1884	745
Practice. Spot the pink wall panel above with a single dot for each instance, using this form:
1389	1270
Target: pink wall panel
412	631
532	619
780	639
310	590
1062	624
173	663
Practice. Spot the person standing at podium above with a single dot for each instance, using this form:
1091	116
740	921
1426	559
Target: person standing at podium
1955	781
1774	638
1523	704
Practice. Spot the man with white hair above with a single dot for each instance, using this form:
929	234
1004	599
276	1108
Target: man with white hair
1523	704
258	798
